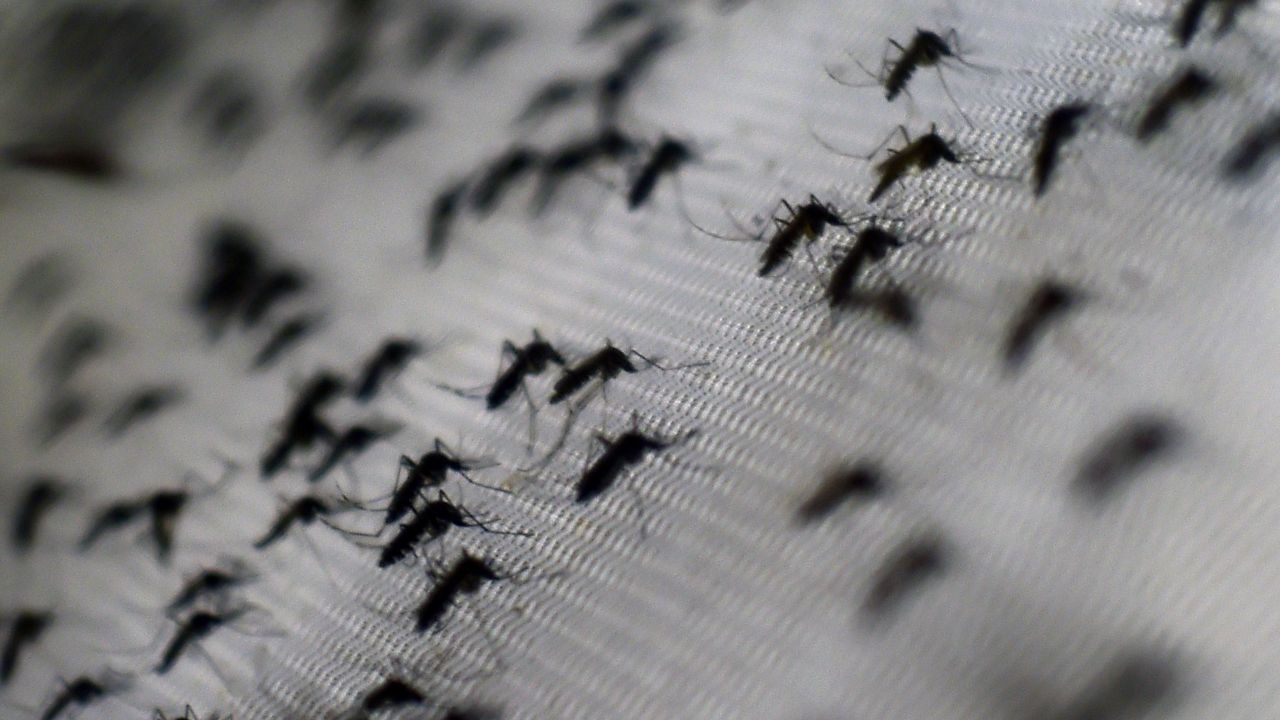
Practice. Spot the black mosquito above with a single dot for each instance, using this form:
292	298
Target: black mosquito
555	95
353	441
508	168
919	155
804	222
1254	151
391	693
389	360
1187	23
84	161
304	425
925	49
113	517
301	512
165	507
906	569
198	626
465	577
42	494
633	63
599	368
1049	303
81	692
527	361
25	629
228	109
440	218
872	244
488	37
522	362
1132	685
320	390
232	270
40	284
636	57
1059	127
1124	451
141	405
613	17
286	336
336	69
75	344
603	365
161	509
212	582
431	35
620	453
576	156
62	412
1188	20
863	481
428	471
430	522
274	287
667	159
1190	87
373	122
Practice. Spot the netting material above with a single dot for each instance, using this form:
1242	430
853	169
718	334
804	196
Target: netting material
687	590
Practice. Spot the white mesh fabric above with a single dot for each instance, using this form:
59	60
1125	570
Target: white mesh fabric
687	590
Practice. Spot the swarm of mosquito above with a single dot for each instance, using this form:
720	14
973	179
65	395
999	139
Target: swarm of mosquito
856	276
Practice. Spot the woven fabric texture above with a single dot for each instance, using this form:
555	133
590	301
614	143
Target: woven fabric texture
688	588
